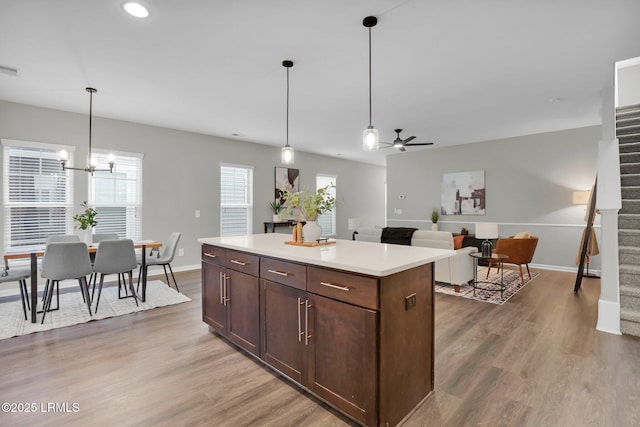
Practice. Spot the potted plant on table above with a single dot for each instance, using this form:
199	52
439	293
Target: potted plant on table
276	207
309	205
86	221
435	215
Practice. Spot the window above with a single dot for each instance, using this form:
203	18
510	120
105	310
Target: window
236	200
117	196
327	220
37	196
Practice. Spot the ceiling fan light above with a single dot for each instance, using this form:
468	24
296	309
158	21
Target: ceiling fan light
370	139
287	155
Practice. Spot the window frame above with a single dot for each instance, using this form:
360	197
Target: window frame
249	196
329	179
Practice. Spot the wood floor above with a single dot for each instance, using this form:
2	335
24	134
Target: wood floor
535	361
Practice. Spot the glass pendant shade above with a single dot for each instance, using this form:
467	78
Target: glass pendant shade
370	139
287	155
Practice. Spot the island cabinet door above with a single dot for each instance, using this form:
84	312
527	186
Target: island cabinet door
243	308
282	335
214	309
342	356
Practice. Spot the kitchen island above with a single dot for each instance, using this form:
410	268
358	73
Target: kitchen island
351	322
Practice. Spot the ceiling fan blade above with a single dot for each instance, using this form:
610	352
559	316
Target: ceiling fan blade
419	143
402	149
411	138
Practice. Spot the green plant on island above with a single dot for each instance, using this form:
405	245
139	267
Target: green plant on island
86	219
435	215
310	204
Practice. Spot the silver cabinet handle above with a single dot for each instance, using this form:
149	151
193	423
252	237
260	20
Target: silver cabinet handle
226	288
221	289
237	262
280	273
210	255
306	322
299	321
331	285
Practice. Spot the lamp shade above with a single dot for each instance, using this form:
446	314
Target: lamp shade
354	223
486	230
581	197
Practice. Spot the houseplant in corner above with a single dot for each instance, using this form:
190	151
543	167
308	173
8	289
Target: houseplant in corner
435	215
309	205
86	221
276	207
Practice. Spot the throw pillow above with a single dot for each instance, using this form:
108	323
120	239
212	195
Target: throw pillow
457	242
522	235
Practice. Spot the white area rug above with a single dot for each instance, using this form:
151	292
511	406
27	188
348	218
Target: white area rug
73	310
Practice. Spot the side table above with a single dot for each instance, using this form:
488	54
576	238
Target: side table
499	259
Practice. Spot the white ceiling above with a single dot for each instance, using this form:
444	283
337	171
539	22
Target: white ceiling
449	71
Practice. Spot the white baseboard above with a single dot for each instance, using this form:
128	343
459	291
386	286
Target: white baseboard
609	317
562	268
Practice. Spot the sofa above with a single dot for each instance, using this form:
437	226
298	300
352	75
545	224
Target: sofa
456	270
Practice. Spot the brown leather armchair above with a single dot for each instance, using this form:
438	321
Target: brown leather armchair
519	251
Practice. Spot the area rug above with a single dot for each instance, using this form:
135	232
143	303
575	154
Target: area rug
73	310
512	285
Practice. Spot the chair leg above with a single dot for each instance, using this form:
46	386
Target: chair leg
528	272
133	294
26	292
47	303
84	287
174	278
139	277
521	275
489	268
22	297
166	275
99	292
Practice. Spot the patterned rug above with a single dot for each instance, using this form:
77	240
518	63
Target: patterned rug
512	285
73	310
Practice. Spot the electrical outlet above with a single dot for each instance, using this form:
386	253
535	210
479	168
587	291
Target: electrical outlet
181	252
398	211
409	301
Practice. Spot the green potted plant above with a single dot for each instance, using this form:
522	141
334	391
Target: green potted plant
86	221
309	205
276	207
435	215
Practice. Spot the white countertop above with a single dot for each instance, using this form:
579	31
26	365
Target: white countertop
375	259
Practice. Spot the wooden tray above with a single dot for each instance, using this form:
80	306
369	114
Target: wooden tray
310	244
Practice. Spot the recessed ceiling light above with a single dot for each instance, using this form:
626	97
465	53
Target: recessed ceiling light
554	100
136	9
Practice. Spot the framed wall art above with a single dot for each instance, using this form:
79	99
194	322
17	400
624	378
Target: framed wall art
286	179
462	193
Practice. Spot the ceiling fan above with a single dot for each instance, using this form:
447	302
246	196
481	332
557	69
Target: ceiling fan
400	143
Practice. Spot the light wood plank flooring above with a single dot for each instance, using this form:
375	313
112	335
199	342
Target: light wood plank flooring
535	361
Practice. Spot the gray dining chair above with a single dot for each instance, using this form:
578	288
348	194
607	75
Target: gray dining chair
115	257
20	276
62	238
65	261
163	258
99	237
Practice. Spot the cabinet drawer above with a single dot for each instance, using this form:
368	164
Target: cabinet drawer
245	263
213	254
284	272
358	290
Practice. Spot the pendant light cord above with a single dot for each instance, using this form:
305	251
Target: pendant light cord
90	116
287	106
369	76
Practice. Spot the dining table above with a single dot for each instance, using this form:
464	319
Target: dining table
35	251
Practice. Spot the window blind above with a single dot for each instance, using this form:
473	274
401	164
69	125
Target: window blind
236	200
37	196
117	196
328	219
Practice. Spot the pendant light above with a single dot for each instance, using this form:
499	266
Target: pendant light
287	150
91	167
370	134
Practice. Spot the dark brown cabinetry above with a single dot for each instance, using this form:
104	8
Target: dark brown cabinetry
363	344
231	298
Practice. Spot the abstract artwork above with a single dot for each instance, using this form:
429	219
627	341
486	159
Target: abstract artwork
462	193
286	179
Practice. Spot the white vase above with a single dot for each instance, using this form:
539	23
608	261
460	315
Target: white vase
311	231
434	227
276	218
88	236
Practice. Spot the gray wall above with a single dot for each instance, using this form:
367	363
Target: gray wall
529	184
181	172
629	86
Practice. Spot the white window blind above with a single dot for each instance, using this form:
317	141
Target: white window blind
236	200
117	196
37	196
328	219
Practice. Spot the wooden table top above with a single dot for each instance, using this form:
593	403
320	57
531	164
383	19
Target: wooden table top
26	251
